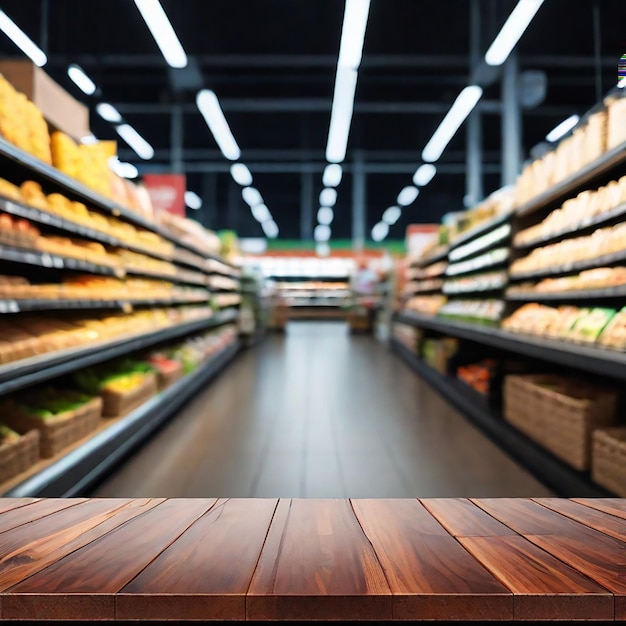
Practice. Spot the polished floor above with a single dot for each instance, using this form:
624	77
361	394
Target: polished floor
319	413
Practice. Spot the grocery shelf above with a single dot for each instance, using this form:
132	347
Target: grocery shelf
558	476
596	220
50	175
480	229
583	294
55	221
603	361
575	266
12	305
172	278
56	261
438	255
31	371
76	470
484	243
486	289
589	173
496	257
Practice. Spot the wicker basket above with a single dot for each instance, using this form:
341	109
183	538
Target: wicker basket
609	459
18	456
62	430
563	418
116	404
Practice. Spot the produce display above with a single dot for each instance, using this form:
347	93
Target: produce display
576	212
485	312
603	242
479	376
17	232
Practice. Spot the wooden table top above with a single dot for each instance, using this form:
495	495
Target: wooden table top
300	559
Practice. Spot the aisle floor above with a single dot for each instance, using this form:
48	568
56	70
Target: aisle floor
320	413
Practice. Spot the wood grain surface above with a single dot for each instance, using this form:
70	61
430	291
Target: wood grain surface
317	559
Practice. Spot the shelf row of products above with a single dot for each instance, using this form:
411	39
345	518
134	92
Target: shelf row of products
40	424
573	419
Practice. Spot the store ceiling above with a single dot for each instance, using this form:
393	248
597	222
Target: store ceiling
272	64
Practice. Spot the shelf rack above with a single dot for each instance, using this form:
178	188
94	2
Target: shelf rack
75	471
561	478
607	293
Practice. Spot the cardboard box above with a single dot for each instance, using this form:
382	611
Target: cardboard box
59	108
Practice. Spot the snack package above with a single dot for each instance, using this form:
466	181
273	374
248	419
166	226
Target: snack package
589	326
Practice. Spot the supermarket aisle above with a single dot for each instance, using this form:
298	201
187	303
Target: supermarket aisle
320	413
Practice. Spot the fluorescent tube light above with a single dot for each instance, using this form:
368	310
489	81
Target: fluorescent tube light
108	112
321	232
392	215
270	228
332	175
460	109
241	174
22	40
353	33
141	147
125	170
563	128
511	32
162	31
328	197
325	215
261	213
81	80
251	196
380	231
424	174
214	117
193	200
407	195
341	115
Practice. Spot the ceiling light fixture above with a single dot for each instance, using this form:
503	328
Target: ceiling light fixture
261	213
241	174
108	112
270	228
163	32
341	115
460	109
81	80
322	249
193	200
563	128
328	197
353	33
321	232
141	147
89	139
513	29
125	170
424	174
214	117
325	215
22	40
251	196
392	215
407	195
380	231
332	175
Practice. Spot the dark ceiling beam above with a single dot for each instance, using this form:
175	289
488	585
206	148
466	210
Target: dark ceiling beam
312	105
299	61
297	168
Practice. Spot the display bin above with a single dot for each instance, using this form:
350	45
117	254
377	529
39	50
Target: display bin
58	432
165	379
18	456
559	413
609	459
116	403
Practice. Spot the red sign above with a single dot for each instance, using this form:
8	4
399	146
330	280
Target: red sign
167	192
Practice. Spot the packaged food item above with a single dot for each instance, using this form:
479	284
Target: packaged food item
589	326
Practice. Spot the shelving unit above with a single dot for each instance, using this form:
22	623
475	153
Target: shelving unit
73	469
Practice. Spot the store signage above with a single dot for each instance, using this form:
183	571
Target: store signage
418	236
167	192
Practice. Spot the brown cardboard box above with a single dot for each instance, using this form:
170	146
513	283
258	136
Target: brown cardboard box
59	108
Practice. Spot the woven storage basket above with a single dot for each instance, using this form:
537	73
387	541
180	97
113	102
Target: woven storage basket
561	419
116	404
62	430
165	379
609	459
18	456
